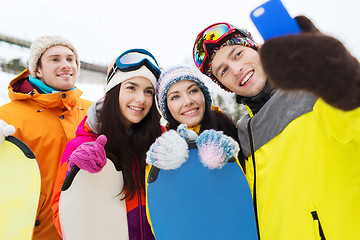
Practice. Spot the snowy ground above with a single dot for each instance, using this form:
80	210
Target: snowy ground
5	78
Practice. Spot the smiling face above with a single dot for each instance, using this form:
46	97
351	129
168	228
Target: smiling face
135	99
58	68
239	68
186	102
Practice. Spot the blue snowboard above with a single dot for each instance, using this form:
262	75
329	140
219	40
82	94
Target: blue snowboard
194	202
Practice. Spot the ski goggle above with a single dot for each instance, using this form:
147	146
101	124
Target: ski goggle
132	60
210	38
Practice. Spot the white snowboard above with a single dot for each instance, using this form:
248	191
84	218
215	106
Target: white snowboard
90	205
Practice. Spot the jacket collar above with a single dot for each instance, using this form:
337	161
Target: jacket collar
257	102
20	89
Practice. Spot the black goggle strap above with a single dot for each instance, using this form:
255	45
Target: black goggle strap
111	73
154	69
211	47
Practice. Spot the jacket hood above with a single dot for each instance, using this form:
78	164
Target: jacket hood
92	119
82	135
20	89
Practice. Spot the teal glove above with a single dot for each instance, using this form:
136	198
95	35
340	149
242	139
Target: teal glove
216	149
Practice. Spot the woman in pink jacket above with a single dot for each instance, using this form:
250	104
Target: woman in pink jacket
127	123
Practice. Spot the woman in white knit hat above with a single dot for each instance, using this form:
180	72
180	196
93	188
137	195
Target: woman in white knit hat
124	124
45	110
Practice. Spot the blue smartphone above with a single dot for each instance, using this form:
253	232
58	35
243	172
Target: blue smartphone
273	20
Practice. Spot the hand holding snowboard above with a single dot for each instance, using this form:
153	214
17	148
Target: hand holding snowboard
5	130
216	149
90	156
170	150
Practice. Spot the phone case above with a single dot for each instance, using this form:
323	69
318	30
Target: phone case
272	20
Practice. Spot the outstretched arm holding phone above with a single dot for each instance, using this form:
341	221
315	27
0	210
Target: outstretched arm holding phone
314	62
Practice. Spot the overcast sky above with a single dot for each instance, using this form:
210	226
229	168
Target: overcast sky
102	29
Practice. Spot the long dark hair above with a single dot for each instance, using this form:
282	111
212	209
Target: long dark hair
217	120
128	145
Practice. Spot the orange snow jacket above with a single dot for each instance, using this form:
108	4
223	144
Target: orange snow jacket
45	122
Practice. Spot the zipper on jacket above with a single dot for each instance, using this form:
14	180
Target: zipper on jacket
254	185
316	218
139	201
140	214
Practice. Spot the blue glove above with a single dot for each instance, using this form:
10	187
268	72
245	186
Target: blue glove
215	148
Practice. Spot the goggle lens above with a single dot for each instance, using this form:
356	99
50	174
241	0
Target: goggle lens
212	33
136	57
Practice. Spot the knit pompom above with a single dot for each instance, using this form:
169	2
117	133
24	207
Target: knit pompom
169	151
185	133
216	149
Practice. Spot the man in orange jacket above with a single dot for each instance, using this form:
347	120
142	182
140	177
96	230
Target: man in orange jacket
45	110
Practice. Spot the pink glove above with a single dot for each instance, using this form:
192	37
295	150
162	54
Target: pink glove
89	156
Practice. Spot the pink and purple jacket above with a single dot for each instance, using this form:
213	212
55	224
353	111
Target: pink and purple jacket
138	226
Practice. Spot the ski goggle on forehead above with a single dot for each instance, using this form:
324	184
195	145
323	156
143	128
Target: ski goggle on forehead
209	38
132	60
